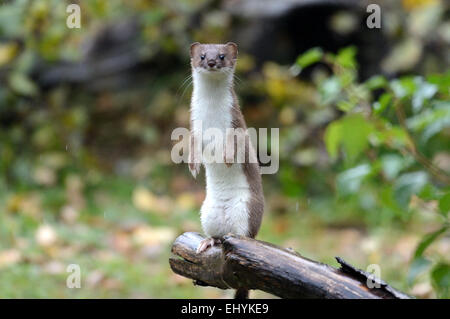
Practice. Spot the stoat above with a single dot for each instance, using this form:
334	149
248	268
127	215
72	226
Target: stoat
234	200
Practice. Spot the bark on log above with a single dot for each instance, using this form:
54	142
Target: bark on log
245	262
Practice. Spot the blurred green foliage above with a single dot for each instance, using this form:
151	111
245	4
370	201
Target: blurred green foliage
86	175
395	120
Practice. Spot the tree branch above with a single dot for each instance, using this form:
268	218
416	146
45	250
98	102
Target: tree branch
245	262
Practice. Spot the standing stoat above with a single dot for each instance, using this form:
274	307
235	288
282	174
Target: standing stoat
234	200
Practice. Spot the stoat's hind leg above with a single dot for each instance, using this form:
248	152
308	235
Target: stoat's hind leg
241	293
206	243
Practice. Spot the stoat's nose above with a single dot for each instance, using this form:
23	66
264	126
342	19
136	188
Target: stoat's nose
211	63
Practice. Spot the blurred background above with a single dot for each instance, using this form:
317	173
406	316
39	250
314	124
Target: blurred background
86	115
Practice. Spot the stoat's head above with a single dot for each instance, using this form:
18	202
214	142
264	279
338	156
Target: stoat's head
214	59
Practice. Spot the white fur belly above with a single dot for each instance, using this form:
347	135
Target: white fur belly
225	207
227	191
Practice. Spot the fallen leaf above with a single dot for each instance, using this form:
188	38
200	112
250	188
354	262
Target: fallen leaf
179	280
28	203
94	278
422	290
152	252
287	116
442	160
121	242
69	214
112	284
9	257
148	236
189	225
146	201
44	175
46	236
74	191
54	267
186	201
7	52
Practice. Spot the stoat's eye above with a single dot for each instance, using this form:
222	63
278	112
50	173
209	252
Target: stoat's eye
202	57
222	56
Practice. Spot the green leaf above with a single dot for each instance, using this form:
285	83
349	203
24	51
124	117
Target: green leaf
440	276
347	77
311	56
376	82
154	16
429	192
330	90
346	57
350	132
349	181
393	136
333	138
431	121
345	105
390	205
382	103
442	81
423	92
427	240
418	266
407	185
392	164
21	84
444	204
403	87
290	182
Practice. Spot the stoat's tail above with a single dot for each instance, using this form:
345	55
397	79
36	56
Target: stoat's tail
241	293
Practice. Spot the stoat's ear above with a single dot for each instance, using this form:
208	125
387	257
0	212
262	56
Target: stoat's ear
194	47
232	49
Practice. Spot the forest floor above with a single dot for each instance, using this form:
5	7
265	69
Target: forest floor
121	240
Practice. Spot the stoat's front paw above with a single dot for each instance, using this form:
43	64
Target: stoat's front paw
228	162
228	159
194	168
206	243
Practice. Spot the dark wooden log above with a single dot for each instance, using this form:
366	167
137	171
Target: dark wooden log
245	262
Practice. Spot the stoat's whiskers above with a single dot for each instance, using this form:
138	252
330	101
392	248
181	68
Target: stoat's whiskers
187	82
235	77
